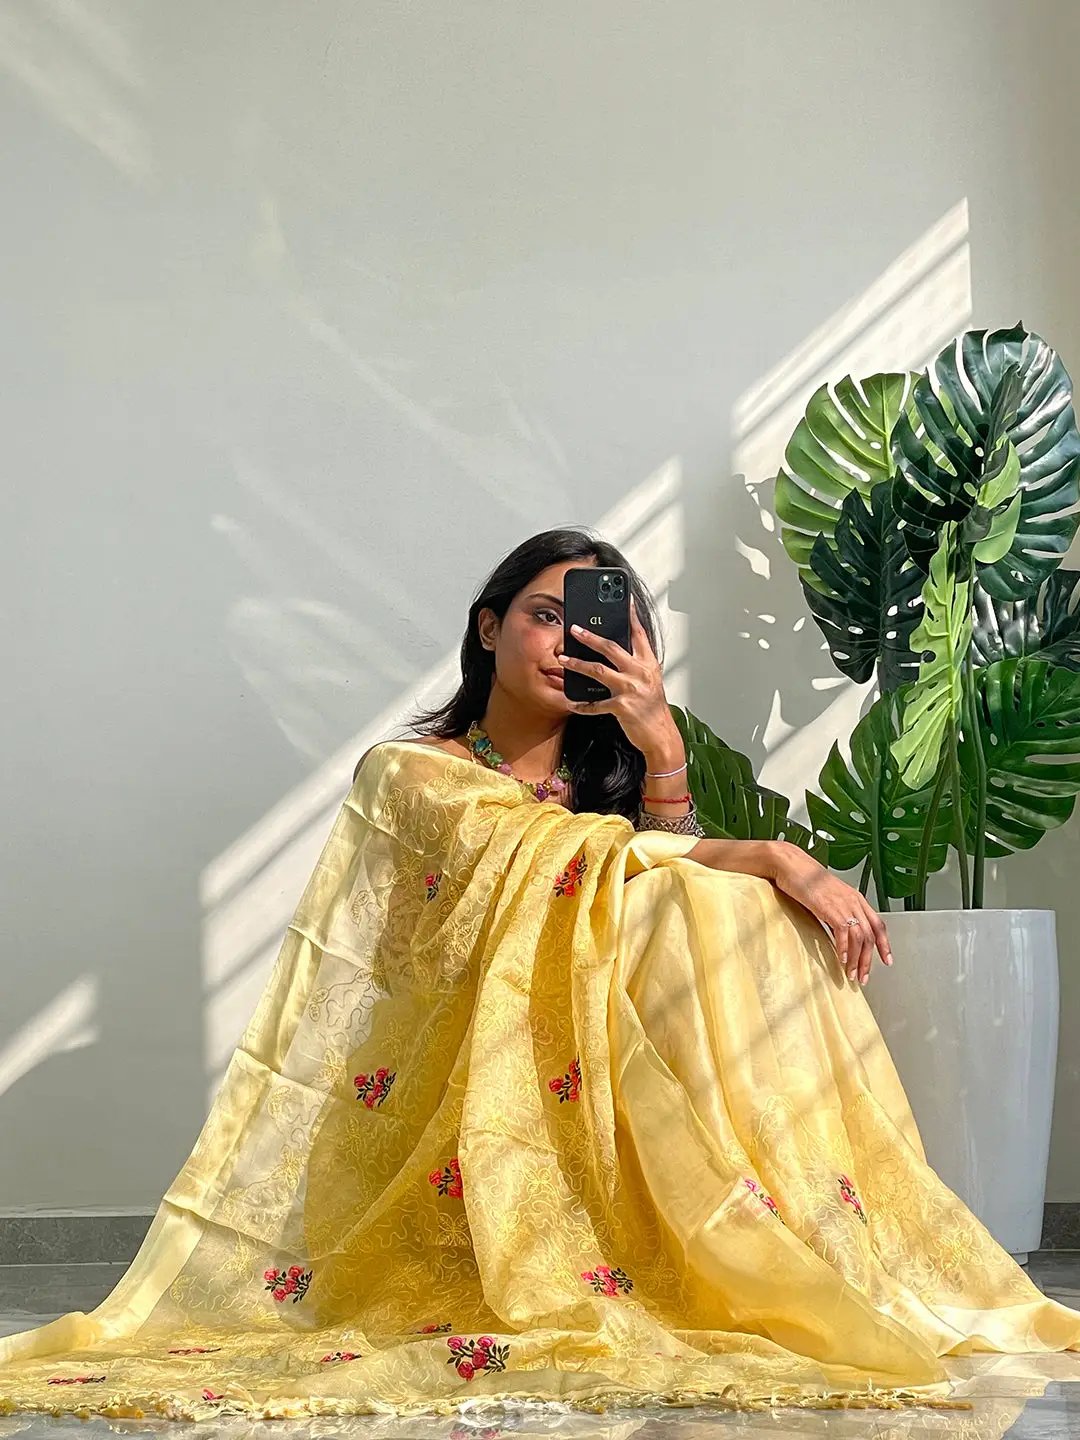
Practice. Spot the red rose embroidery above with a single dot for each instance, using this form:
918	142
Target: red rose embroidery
847	1190
373	1089
766	1200
338	1355
568	1086
212	1395
448	1179
606	1281
470	1356
433	882
434	1329
567	880
283	1283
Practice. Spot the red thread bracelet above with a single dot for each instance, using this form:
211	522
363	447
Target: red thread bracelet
668	799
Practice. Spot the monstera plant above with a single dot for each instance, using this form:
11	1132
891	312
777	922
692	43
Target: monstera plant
928	515
729	801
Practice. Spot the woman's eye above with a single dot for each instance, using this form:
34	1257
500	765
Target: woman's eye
541	613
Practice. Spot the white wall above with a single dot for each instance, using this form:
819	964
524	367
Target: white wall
314	311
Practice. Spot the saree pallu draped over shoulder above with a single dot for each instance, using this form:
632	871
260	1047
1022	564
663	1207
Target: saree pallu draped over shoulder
506	1127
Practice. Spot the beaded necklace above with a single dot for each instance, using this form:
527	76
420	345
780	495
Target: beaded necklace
482	749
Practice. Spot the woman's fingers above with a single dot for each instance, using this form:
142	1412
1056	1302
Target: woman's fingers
597	642
879	933
856	943
587	667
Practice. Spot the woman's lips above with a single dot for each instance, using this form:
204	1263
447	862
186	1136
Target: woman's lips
555	676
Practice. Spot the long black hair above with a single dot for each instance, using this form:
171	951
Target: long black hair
606	769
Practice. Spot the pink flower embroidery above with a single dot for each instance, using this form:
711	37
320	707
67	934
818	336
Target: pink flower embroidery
448	1179
766	1200
433	882
847	1190
212	1395
338	1355
568	1086
434	1329
373	1089
606	1281
470	1356
283	1283
567	880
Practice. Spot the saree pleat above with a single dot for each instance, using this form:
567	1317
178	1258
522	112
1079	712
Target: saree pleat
534	1108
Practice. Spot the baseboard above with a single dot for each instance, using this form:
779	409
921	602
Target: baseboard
1061	1225
86	1237
72	1237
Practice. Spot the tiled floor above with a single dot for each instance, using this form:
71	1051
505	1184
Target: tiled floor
1026	1398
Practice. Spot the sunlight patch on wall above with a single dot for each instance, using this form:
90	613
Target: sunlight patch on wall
67	1022
81	69
898	322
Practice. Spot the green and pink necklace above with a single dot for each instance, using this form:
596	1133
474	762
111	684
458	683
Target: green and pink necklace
482	749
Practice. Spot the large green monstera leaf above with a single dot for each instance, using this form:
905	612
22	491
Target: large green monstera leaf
842	444
868	812
870	598
1028	713
944	632
1046	625
996	453
730	803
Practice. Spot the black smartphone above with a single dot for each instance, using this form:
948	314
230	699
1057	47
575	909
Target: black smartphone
598	597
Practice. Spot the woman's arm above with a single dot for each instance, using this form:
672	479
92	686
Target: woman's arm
832	901
747	857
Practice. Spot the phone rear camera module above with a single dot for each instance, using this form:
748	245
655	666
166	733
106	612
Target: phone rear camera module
612	587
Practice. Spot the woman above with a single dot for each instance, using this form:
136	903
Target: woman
549	1098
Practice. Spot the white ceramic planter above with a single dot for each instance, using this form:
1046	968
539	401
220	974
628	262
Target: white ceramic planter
969	1011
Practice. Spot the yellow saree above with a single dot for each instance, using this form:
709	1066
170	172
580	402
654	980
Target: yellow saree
535	1108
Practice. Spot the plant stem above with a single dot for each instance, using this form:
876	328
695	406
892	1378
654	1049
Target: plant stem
923	867
971	716
958	814
864	877
876	860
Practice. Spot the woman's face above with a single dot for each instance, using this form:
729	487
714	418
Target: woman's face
530	638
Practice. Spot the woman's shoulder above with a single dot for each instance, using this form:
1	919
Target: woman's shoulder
452	747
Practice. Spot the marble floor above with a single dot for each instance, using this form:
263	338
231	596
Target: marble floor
1026	1398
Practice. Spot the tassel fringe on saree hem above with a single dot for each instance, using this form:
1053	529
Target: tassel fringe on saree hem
598	1401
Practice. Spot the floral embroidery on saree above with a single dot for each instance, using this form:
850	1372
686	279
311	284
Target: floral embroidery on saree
766	1200
606	1281
373	1089
568	880
470	1356
338	1357
568	1085
447	1180
433	881
847	1190
283	1283
77	1380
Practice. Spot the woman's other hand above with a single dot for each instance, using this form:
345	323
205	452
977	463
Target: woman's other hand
833	902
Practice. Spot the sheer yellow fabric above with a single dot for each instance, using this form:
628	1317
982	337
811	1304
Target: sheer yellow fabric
534	1107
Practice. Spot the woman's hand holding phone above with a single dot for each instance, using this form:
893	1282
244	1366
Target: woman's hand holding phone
637	699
